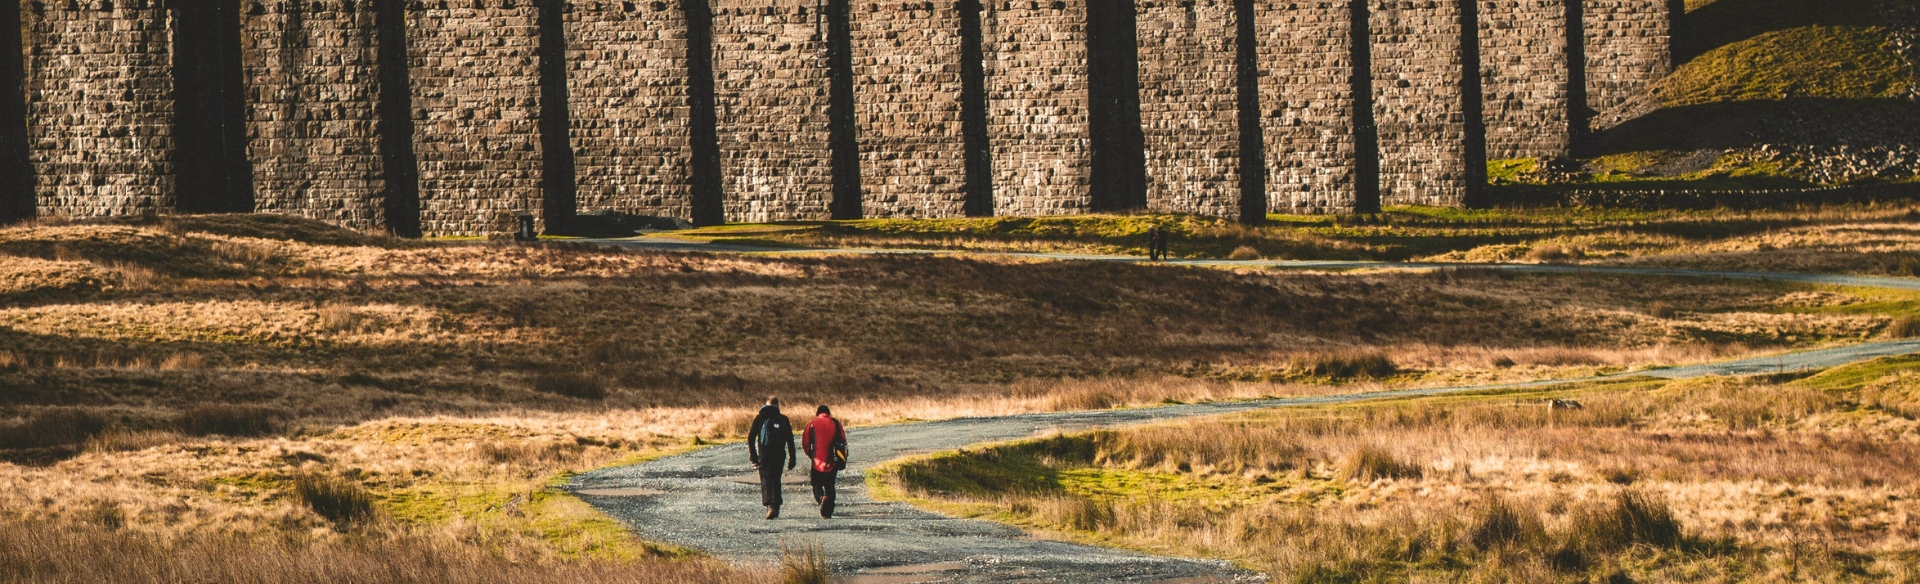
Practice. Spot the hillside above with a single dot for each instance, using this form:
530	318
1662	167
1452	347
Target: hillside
1766	94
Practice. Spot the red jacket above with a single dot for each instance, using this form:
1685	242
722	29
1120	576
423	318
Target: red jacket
818	440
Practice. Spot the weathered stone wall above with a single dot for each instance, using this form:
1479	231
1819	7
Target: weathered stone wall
1036	55
1629	49
1189	105
627	88
1416	80
313	95
907	90
627	119
100	107
476	93
1523	61
1306	108
770	88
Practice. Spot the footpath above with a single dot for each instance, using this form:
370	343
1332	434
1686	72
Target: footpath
708	499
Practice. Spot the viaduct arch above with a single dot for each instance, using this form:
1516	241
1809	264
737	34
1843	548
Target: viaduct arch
433	116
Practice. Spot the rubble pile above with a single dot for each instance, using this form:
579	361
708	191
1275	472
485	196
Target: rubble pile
1833	165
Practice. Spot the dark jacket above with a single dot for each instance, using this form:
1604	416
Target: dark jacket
781	432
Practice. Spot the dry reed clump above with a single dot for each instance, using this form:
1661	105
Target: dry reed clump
1244	253
1555	254
573	385
1343	365
76	554
235	420
1904	327
804	564
1370	463
340	501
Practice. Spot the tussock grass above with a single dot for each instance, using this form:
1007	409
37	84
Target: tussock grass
1651	480
93	554
803	564
1369	463
342	502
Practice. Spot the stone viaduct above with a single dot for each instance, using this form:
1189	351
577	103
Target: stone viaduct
433	116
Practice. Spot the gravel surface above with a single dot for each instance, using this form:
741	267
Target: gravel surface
707	499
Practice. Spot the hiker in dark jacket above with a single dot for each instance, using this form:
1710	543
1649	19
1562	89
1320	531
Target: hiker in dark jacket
1153	243
769	432
825	441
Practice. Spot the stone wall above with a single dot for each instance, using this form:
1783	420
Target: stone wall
100	107
476	93
1417	102
1189	105
771	86
627	88
1036	54
1523	60
795	131
907	91
1306	104
1629	50
313	96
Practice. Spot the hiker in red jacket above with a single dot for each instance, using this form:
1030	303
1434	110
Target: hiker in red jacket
825	440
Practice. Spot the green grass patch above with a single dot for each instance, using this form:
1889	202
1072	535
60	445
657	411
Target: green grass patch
1858	375
1828	62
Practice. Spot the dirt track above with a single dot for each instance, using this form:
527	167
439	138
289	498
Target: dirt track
706	500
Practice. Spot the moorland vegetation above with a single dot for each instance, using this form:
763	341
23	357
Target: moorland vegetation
1791	477
211	396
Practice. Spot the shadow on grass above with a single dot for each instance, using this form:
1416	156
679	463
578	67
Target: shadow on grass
1809	121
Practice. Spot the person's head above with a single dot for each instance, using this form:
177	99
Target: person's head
773	402
823	411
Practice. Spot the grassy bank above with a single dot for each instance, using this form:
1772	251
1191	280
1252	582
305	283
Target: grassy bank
1875	239
318	393
1767	478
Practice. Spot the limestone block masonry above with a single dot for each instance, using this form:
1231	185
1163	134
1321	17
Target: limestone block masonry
100	106
312	119
627	87
437	117
770	86
476	98
1416	81
1523	60
1036	55
907	92
1628	51
1306	104
1189	105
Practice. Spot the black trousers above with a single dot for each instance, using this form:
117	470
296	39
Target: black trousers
823	489
770	471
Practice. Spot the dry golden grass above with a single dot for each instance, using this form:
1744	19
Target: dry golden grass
87	554
175	381
1735	479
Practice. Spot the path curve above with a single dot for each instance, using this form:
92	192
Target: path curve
707	499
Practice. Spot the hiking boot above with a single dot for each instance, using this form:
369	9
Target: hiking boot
773	512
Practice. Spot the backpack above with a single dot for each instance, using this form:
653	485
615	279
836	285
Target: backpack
766	441
837	455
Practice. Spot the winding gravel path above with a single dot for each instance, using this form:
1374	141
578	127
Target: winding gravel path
707	499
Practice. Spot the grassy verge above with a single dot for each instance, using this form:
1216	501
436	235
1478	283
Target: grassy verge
1867	239
1765	478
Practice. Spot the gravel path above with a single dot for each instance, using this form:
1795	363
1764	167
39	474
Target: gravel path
707	499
